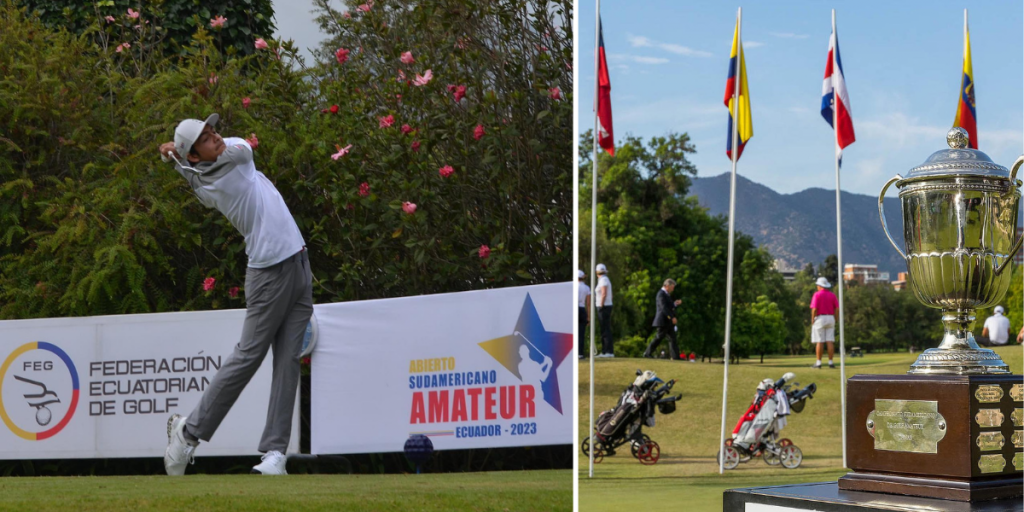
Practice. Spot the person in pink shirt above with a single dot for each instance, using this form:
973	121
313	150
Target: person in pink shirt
823	321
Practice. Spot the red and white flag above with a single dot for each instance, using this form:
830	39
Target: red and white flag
835	101
605	136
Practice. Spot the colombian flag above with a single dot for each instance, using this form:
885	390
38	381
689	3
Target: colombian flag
966	116
740	115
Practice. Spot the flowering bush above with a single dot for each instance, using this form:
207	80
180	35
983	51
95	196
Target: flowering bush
88	211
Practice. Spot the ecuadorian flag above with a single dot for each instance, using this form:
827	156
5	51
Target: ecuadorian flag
966	117
739	111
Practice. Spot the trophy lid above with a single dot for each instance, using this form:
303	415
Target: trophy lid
957	161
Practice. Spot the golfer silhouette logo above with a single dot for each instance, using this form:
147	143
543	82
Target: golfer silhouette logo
40	383
531	371
43	414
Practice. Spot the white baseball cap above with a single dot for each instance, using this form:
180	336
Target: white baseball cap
601	268
999	309
822	282
580	274
188	131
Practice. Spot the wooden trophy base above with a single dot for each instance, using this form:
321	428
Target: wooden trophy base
954	437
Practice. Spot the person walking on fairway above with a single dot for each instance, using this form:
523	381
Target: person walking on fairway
604	310
278	291
823	321
665	321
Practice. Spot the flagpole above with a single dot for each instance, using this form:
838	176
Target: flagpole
839	232
593	232
732	227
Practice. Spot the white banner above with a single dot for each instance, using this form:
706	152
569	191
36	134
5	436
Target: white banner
470	370
99	387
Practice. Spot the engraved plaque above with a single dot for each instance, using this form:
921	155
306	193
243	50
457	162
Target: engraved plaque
1018	461
1018	439
991	463
988	418
906	425
989	393
1017	417
1017	392
989	441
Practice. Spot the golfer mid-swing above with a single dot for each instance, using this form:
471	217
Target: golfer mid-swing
278	292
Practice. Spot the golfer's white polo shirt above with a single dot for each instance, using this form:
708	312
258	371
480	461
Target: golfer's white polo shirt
250	201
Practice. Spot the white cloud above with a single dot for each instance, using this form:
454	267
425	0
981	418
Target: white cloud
639	59
788	35
752	44
678	49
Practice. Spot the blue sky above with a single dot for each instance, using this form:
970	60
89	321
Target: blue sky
902	61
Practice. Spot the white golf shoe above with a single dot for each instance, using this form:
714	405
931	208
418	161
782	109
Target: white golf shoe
273	464
179	453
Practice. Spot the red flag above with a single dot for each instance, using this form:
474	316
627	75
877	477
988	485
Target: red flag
605	137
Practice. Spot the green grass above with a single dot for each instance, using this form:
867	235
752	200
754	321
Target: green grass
688	472
493	491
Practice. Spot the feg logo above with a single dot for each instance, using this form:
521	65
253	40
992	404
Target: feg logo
533	354
38	390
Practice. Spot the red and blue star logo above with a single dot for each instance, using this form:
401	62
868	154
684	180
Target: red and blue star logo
545	349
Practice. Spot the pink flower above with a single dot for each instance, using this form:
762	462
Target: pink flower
218	22
387	121
121	47
409	208
364	189
555	93
213	78
415	145
342	151
423	80
246	102
478	132
110	19
347	14
366	7
401	76
132	14
450	88
341	55
445	171
233	292
407	58
261	44
334	109
253	141
208	282
484	252
460	92
406	129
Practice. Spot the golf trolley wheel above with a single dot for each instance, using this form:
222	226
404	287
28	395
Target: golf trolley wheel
732	457
649	453
598	453
770	458
634	446
791	457
784	442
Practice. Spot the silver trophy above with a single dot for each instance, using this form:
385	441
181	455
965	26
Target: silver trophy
959	226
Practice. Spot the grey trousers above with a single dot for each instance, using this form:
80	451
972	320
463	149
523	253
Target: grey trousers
279	302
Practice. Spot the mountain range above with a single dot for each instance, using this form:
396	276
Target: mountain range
800	228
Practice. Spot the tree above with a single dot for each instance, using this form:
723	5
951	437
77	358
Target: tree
829	269
759	328
649	230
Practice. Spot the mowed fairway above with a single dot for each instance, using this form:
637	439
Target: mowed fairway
530	491
686	477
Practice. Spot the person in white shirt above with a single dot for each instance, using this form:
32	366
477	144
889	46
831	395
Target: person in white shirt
583	315
278	291
604	310
997	328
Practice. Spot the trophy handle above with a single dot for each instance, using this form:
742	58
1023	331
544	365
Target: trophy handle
881	212
1017	244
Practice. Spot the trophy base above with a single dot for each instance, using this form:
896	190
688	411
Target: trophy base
955	437
954	490
971	361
